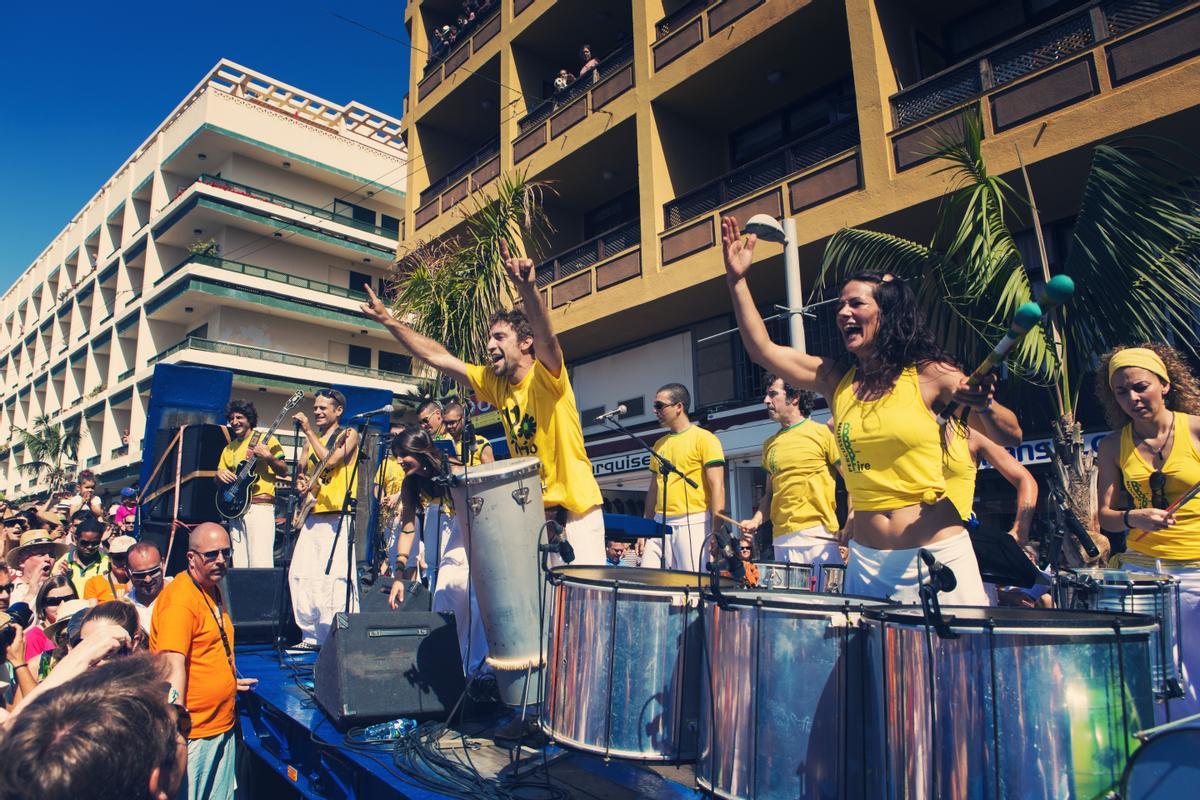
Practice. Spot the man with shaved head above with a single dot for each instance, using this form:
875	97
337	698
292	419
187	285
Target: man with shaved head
191	626
146	579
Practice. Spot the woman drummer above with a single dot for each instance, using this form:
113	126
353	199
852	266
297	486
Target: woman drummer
423	465
884	395
1152	401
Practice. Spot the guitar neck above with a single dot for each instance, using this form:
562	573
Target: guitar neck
251	458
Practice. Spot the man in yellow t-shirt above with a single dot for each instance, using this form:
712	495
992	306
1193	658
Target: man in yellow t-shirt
690	512
481	449
316	595
253	533
799	459
526	379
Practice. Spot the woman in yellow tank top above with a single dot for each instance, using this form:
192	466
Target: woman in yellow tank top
883	394
1152	400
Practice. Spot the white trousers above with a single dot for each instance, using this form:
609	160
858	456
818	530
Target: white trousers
452	591
684	548
1189	639
253	536
813	546
317	597
585	532
897	574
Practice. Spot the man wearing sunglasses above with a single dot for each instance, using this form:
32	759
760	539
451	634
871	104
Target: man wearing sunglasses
86	559
690	512
191	626
114	584
146	580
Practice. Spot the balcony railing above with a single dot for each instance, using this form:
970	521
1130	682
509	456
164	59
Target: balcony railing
445	63
253	271
763	171
593	251
605	68
117	452
289	359
1035	49
126	374
673	21
441	54
93	461
295	205
461	170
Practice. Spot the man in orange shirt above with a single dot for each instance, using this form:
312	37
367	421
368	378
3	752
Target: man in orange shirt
191	626
114	584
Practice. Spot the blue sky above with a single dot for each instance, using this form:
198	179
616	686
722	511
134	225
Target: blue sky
83	84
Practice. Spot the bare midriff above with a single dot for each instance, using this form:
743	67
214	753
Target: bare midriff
904	528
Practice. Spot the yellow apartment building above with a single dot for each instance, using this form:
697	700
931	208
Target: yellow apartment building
238	235
824	110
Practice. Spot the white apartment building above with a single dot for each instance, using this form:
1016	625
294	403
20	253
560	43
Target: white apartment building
238	235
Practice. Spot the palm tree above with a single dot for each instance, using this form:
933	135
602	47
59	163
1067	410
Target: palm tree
447	289
1132	255
53	450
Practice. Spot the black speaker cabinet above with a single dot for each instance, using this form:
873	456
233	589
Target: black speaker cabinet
158	533
253	598
383	665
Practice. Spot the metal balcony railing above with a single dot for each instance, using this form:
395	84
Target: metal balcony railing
771	168
289	359
262	272
1030	51
460	170
126	374
676	19
606	67
440	54
295	205
592	251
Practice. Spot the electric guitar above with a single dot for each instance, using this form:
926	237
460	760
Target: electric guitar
308	500
234	498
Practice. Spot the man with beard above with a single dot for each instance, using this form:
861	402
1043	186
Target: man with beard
253	534
191	626
481	449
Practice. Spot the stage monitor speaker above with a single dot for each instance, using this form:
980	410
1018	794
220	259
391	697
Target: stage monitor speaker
158	533
375	596
384	665
253	595
202	445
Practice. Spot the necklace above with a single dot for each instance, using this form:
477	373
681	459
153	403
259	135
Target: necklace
1158	454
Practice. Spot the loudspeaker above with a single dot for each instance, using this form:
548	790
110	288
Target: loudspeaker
253	595
202	445
384	665
158	533
375	597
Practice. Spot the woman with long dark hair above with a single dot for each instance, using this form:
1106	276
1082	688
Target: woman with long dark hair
1152	401
884	394
424	494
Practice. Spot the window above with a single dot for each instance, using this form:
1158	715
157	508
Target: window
607	216
359	213
819	110
359	356
358	279
714	360
199	333
389	224
395	362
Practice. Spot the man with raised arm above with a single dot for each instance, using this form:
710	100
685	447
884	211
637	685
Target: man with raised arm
527	381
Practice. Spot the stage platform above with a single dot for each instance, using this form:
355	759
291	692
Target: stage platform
291	738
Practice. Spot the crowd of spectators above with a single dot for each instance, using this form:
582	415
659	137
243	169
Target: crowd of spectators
447	36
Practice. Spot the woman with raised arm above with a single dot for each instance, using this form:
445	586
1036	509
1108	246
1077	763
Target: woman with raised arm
1152	400
884	394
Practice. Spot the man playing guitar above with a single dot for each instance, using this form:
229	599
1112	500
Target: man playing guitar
316	595
252	534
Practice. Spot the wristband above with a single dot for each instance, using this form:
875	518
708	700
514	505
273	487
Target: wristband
18	666
1125	517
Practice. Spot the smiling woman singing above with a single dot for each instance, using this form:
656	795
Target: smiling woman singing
884	394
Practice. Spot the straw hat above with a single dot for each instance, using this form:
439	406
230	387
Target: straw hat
120	544
30	539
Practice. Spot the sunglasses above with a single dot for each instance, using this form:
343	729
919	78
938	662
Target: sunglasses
744	549
659	405
53	600
211	555
1158	489
145	574
183	720
84	544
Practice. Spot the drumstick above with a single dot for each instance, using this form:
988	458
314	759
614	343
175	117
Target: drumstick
1028	315
1184	498
738	525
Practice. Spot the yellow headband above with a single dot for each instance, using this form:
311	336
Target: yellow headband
1137	357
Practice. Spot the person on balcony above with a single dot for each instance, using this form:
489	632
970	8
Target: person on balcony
589	61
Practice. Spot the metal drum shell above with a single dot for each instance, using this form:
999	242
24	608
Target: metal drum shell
623	667
1030	703
782	715
499	510
1134	592
784	575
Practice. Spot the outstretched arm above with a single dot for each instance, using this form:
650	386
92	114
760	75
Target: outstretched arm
797	368
420	345
545	344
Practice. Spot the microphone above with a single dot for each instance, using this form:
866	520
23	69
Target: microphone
381	410
737	570
560	545
941	577
619	411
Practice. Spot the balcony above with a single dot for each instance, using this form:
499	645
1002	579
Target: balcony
610	79
470	175
294	205
764	171
683	30
612	257
117	452
1046	68
93	461
289	359
126	374
440	68
251	270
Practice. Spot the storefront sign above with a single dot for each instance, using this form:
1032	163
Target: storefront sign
636	461
1037	451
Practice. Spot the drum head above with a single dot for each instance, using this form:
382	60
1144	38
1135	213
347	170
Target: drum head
814	601
500	471
635	576
1000	618
1164	768
1143	581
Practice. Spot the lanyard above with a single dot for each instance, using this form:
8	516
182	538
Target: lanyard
220	625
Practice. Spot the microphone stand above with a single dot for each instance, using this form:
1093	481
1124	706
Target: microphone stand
288	540
349	506
373	544
665	469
